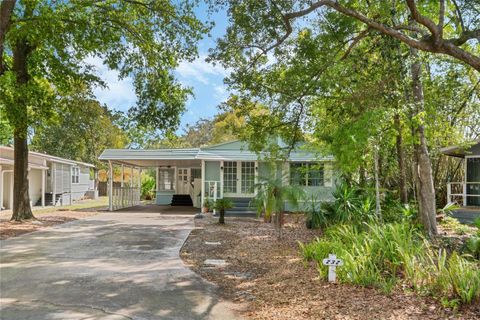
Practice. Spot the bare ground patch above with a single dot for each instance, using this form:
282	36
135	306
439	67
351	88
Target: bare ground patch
269	279
10	229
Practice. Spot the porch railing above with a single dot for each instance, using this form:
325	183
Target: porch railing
124	197
213	190
460	190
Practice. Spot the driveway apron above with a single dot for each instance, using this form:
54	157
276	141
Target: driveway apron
116	265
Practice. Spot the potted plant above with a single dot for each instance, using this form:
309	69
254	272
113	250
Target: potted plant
221	205
207	205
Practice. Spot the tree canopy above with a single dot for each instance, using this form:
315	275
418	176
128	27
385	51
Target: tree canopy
354	77
45	47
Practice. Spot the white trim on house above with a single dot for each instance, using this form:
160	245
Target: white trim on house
459	190
210	159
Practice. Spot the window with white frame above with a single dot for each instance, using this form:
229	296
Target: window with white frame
166	179
75	174
307	174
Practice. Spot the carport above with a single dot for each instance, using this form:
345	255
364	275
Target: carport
178	176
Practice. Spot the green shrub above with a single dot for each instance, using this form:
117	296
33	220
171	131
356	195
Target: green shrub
148	187
316	216
355	205
452	224
473	243
381	255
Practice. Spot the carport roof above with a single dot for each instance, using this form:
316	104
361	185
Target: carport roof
152	154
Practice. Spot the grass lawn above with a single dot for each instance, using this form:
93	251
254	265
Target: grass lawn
50	216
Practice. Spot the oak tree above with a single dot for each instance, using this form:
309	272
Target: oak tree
45	47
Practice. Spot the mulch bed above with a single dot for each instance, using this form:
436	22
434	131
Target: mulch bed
268	278
10	228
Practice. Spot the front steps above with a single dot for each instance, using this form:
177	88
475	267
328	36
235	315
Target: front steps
241	207
182	200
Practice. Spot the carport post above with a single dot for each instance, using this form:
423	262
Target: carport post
122	204
43	187
130	196
110	186
139	185
202	197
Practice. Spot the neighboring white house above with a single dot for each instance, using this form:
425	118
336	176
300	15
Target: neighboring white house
52	180
228	170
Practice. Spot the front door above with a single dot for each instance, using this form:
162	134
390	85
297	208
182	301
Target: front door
183	181
238	178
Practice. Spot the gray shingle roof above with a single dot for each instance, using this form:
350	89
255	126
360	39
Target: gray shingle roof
206	153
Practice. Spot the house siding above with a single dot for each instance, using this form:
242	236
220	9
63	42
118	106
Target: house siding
164	197
212	170
35	185
79	189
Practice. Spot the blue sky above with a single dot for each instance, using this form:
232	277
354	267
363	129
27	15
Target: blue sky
205	79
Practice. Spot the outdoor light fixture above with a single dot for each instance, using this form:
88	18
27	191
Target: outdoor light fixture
221	168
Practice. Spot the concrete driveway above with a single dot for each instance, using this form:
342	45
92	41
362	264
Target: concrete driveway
120	265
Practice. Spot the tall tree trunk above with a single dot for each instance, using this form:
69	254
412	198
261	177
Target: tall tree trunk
423	166
21	198
363	179
402	182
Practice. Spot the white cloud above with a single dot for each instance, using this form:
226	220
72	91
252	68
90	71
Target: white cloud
199	70
220	92
119	94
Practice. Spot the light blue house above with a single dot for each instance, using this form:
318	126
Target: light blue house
228	170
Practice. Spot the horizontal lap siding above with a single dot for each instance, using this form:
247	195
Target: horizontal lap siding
62	178
212	171
79	189
35	185
164	197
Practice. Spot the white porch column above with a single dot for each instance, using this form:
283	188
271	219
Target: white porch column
140	185
110	186
449	192
53	176
122	204
70	184
43	188
157	174
131	187
202	197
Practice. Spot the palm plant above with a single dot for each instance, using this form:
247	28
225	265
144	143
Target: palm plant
270	199
221	205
